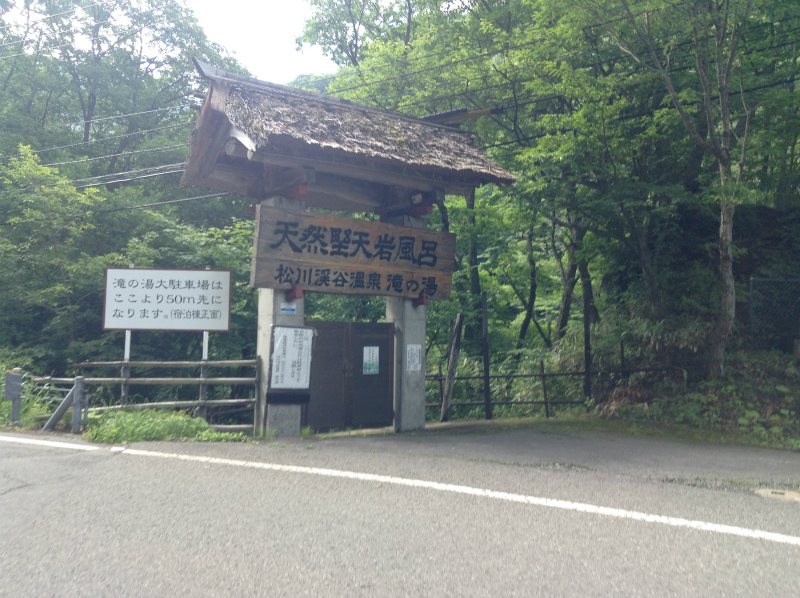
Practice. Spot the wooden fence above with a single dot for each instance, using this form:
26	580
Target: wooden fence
125	380
442	379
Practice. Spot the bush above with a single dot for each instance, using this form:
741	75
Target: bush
118	427
758	398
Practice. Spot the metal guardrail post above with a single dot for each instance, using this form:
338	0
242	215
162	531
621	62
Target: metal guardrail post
77	405
14	393
60	411
260	408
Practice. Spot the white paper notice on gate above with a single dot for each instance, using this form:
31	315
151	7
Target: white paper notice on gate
291	358
413	358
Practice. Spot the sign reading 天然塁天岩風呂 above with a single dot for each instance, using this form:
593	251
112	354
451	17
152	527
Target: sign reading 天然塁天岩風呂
330	254
149	299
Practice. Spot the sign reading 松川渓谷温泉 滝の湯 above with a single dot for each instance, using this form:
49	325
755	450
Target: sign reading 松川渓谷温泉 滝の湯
330	254
149	299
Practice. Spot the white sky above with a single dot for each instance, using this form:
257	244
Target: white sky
261	36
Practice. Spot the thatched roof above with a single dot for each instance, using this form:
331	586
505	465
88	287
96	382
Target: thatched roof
275	124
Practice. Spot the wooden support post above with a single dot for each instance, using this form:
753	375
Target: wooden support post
544	391
260	407
440	379
125	374
487	391
452	365
202	411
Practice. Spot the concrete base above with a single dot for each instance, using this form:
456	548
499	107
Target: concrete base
409	382
283	420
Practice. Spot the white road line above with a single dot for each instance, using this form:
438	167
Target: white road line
456	489
50	443
481	492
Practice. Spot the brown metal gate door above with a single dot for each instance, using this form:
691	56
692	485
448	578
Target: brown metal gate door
352	376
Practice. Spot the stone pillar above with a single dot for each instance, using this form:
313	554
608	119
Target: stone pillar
275	310
409	351
409	370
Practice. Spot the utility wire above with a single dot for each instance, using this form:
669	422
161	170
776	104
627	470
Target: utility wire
360	70
633	116
40	30
467	92
138	171
136	178
120	37
82	143
58	14
390	67
119	116
131	153
160	203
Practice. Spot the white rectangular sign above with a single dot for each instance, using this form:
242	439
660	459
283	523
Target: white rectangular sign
149	299
291	358
413	358
371	361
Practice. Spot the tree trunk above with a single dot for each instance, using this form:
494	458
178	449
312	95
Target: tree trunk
588	292
727	313
567	291
472	330
452	365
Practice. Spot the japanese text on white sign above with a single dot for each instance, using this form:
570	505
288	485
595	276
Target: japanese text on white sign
147	299
291	358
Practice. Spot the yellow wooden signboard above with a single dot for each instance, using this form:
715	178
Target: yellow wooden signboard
330	254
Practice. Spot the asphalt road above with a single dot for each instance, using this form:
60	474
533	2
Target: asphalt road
466	512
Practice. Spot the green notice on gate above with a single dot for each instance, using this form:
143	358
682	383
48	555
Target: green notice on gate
371	355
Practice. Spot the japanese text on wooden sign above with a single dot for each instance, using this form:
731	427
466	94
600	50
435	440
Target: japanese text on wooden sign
330	254
147	299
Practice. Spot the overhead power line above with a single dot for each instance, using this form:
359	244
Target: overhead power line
120	36
126	180
58	14
119	116
131	153
107	179
161	203
93	141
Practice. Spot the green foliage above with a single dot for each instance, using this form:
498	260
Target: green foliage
610	179
759	399
119	427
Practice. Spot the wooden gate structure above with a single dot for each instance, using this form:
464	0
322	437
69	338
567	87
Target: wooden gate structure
290	151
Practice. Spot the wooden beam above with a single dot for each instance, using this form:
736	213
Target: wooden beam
204	146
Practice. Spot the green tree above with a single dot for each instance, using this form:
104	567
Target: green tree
721	41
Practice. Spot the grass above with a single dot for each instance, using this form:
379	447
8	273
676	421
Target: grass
121	427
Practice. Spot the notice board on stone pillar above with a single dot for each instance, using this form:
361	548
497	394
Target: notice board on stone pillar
290	365
331	254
